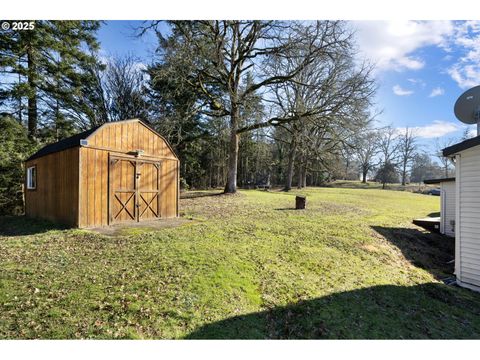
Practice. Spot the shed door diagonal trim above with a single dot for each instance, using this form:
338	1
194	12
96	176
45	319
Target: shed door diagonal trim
134	190
148	190
122	190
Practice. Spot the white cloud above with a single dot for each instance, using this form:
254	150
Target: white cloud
417	82
391	44
437	128
398	90
437	92
410	63
466	70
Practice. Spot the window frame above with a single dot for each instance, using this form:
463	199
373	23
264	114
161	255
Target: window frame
29	177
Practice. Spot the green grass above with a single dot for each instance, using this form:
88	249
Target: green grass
244	266
355	184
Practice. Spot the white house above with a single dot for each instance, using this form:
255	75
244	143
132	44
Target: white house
466	156
447	204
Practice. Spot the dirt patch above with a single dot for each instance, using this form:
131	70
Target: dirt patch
144	226
214	206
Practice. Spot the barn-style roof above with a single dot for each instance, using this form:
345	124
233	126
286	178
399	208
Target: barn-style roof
74	140
63	144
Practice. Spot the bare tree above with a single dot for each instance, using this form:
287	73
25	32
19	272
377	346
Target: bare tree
445	162
124	88
329	98
366	150
117	92
424	168
388	146
407	148
225	51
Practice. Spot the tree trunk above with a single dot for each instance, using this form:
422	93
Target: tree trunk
291	163
231	186
404	173
299	180
32	95
301	174
20	120
364	176
304	176
347	165
57	121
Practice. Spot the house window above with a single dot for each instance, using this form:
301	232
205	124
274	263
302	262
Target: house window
32	177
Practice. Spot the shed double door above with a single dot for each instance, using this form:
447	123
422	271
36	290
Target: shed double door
134	190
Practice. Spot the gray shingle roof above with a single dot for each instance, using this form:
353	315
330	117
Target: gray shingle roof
63	144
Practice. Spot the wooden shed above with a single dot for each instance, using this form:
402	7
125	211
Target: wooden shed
466	155
120	171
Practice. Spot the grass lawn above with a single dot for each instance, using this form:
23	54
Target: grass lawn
354	184
241	266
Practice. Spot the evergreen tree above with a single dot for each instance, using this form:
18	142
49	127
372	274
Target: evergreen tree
387	174
47	67
14	148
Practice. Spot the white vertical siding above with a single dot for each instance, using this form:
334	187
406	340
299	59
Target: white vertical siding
448	208
468	232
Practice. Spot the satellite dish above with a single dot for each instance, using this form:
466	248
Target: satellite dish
467	107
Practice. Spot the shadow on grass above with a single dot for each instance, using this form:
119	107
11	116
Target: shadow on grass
381	312
429	251
352	185
434	214
22	225
200	194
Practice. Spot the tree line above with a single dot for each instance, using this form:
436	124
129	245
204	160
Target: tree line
243	103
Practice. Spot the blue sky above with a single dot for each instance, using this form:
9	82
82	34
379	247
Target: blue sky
421	68
117	38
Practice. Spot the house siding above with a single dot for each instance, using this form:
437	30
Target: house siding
468	234
448	208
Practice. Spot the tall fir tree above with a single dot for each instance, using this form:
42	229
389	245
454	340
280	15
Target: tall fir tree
46	70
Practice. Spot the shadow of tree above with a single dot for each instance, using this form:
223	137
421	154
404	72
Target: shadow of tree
429	310
429	251
22	225
200	194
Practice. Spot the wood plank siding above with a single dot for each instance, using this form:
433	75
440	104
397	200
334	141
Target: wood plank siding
121	140
89	183
130	135
56	195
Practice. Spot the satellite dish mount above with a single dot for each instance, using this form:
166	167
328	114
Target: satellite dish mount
467	107
477	118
